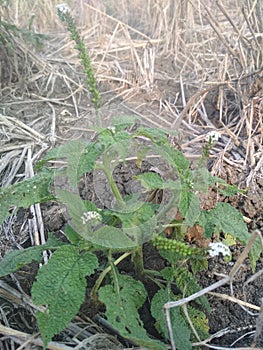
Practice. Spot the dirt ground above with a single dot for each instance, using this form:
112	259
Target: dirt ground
47	94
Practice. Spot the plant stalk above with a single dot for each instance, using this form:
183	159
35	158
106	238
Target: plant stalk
138	263
101	277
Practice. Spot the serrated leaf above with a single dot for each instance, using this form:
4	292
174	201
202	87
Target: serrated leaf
87	159
201	179
79	155
77	208
74	151
227	219
16	259
188	285
110	137
135	213
199	321
131	235
168	273
25	193
152	181
112	237
121	122
116	151
122	301
181	331
189	206
157	303
138	221
61	286
156	135
173	156
228	190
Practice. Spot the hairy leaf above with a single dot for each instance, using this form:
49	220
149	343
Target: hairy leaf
173	156
224	218
25	193
152	181
61	286
123	299
156	135
15	259
188	285
111	237
132	234
201	179
181	330
189	206
200	322
158	301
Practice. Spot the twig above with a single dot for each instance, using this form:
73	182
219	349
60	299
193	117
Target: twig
227	279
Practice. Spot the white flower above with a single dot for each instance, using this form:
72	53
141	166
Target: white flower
217	248
112	129
213	136
90	215
63	8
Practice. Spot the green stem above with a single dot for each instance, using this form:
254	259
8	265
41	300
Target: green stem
97	285
113	185
138	263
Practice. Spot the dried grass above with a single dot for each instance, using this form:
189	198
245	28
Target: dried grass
171	70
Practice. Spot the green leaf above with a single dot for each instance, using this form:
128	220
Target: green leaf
188	285
138	220
152	181
227	219
173	156
122	122
156	135
189	206
181	331
201	179
157	303
200	322
16	259
116	151
87	159
77	208
122	300
61	287
79	155
138	223
255	253
229	190
135	213
111	136
25	193
112	237
73	236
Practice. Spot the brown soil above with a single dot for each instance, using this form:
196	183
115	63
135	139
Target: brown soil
234	325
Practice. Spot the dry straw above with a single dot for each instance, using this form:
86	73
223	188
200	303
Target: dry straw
194	66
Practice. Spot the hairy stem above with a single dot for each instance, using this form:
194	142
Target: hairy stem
138	263
97	285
